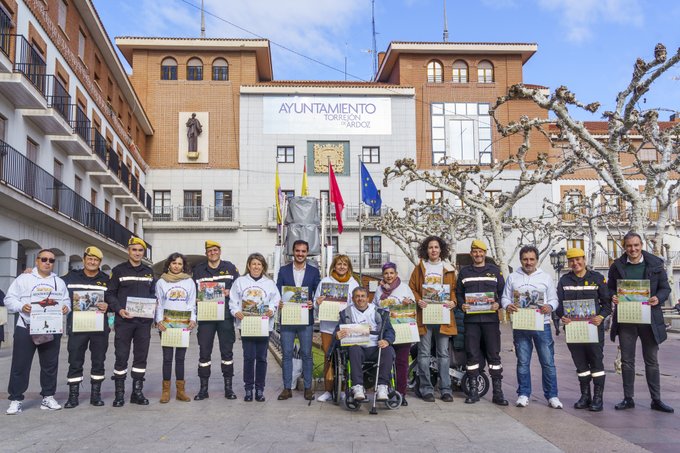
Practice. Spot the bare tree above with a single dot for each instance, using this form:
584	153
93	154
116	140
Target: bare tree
419	219
618	158
515	176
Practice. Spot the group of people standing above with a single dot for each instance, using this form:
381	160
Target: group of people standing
177	290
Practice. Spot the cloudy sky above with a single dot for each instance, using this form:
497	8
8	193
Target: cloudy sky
588	45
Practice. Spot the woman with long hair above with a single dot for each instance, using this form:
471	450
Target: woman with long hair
175	291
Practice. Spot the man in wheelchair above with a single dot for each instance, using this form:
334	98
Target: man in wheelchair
378	349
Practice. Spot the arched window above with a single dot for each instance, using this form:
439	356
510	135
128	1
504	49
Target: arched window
194	69
169	69
434	72
460	72
485	72
220	69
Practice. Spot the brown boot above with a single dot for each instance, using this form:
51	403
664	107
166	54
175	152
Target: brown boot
181	396
165	394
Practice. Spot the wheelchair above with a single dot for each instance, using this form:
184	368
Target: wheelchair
342	387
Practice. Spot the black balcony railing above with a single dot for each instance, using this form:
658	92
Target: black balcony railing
5	36
99	145
31	64
124	174
59	99
81	125
17	171
112	160
134	185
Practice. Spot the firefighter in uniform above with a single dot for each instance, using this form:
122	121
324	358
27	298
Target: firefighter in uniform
218	271
89	281
130	279
482	329
584	284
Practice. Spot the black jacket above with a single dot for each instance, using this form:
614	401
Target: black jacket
2	328
129	281
76	280
659	287
591	286
225	273
485	279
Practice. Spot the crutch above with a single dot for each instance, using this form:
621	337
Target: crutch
373	410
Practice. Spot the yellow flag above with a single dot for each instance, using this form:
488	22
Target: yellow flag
277	196
305	191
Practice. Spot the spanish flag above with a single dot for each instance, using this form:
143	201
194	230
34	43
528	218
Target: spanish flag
305	191
279	197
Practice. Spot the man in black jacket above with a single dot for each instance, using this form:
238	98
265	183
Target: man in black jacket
220	273
131	279
482	327
89	285
636	264
584	284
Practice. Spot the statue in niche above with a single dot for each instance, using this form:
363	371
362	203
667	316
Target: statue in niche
194	129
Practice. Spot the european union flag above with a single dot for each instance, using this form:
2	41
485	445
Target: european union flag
369	193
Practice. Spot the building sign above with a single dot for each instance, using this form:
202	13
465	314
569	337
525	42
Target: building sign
327	115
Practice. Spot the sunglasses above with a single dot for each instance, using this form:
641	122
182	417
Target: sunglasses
45	260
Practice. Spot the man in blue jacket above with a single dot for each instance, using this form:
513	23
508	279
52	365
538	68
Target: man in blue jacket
299	273
636	264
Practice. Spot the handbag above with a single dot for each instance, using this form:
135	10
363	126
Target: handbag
42	338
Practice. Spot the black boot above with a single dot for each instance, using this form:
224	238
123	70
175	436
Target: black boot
96	394
598	389
498	397
228	391
259	395
137	396
203	391
249	395
473	391
119	398
586	399
73	394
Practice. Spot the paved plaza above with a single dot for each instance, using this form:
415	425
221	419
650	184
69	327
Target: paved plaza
218	424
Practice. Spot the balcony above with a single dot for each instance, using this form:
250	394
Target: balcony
370	260
350	216
36	183
27	85
79	142
188	217
54	120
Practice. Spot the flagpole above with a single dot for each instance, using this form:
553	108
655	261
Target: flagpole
361	249
328	205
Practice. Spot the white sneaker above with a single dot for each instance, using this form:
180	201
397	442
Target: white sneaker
50	404
522	401
555	403
326	396
14	408
358	392
381	394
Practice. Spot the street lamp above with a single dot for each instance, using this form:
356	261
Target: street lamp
558	260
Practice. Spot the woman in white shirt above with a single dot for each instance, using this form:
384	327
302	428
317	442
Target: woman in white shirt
176	291
341	272
256	291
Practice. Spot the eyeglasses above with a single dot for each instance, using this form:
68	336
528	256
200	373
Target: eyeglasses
45	260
